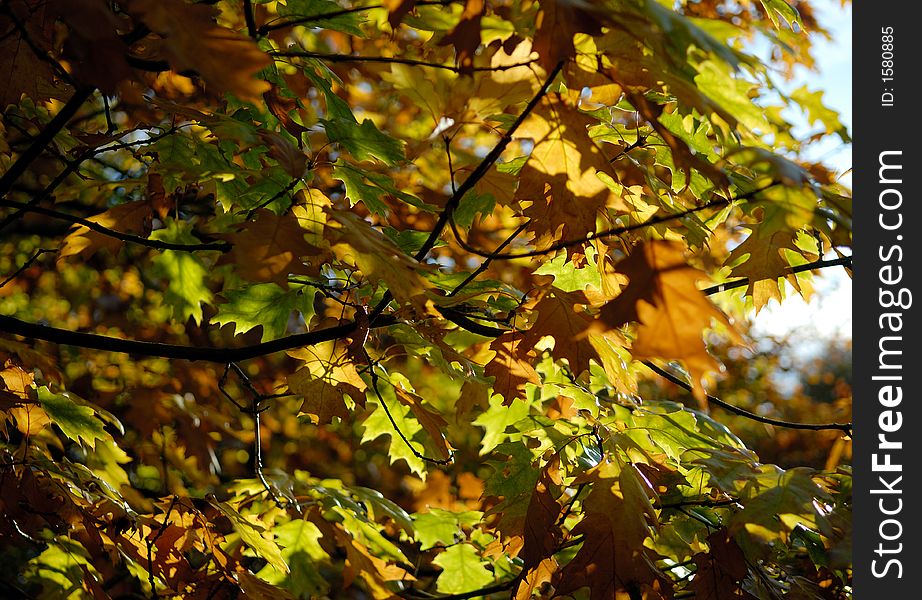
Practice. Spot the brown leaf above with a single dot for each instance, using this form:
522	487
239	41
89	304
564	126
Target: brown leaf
93	47
465	37
612	560
21	70
557	22
289	157
541	531
663	296
192	40
561	316
431	421
397	10
326	375
271	248
511	366
720	573
131	217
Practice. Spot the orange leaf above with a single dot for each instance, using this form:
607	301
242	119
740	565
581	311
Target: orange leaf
270	249
560	317
511	366
663	296
131	217
559	178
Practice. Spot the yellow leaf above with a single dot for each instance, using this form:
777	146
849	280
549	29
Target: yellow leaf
766	263
559	179
379	259
131	217
326	375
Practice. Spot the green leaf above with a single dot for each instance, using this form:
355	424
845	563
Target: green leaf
76	421
377	425
184	273
780	8
265	304
440	526
365	141
300	543
251	532
496	419
306	9
462	570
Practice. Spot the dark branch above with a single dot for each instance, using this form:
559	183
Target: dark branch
350	58
844	427
125	237
615	231
845	261
43	139
268	27
12	325
446	216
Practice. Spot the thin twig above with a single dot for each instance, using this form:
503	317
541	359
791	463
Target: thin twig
268	27
390	417
27	264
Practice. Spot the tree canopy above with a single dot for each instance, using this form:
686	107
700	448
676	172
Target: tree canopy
418	299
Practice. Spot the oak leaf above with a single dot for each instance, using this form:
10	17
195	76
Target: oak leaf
432	422
270	248
561	315
193	41
511	366
720	572
465	37
559	178
541	531
766	264
379	259
557	22
612	560
131	217
327	374
663	297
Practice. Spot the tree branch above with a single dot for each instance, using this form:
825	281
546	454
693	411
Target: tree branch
844	427
446	215
614	231
55	335
268	27
845	261
350	58
125	237
45	136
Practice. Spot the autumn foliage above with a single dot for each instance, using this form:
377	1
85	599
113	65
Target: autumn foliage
418	299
